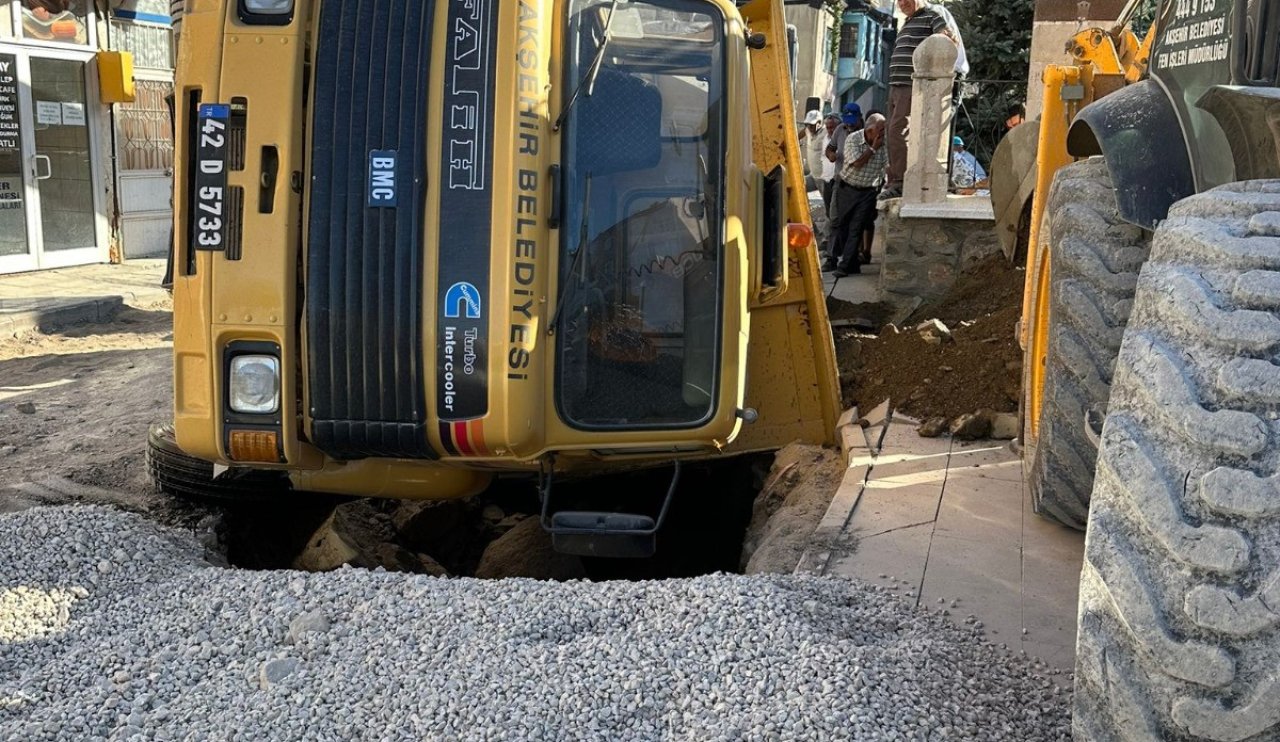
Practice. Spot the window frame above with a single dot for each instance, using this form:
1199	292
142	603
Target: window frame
568	233
91	30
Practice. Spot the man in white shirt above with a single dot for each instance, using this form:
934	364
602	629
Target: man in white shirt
812	136
827	175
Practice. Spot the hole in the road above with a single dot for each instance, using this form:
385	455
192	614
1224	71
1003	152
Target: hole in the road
497	533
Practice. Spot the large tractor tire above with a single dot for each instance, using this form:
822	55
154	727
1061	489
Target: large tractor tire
175	473
1094	258
1179	623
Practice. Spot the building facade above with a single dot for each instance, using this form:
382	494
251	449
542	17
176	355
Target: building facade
82	181
841	62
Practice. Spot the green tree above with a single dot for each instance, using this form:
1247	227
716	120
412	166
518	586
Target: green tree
997	40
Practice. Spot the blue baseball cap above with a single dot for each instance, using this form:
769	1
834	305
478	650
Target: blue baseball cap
852	113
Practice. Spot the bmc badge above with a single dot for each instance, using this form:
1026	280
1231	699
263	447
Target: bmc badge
382	178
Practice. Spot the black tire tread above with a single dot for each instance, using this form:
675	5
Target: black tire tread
1094	261
1178	635
175	473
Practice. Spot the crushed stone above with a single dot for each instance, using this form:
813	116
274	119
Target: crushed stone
166	645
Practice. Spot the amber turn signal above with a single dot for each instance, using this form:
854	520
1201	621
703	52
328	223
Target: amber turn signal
254	445
799	236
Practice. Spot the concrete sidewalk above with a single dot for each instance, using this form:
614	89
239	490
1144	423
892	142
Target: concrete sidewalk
860	288
87	293
945	521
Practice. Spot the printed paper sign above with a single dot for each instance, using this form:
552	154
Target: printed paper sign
49	112
10	194
73	114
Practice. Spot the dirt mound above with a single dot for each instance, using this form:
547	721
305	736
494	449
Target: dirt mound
984	289
525	551
794	498
979	367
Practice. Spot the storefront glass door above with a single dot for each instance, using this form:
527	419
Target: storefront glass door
48	203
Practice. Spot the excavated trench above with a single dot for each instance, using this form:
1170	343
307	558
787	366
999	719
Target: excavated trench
496	533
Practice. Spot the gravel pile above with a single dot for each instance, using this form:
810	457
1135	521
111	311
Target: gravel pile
111	626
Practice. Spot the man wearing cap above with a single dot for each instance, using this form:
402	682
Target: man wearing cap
813	146
859	179
922	21
850	121
966	171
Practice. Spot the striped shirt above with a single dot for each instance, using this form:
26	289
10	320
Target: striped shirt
925	23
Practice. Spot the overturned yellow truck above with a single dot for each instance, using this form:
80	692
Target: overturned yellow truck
420	244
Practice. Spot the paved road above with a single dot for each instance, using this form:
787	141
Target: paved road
942	519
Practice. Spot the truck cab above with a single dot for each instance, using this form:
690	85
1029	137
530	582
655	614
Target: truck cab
425	242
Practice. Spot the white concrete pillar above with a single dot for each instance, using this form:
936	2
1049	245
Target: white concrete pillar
926	177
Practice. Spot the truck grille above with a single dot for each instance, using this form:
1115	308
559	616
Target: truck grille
364	269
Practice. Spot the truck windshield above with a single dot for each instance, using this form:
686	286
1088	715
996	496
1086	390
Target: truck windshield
641	242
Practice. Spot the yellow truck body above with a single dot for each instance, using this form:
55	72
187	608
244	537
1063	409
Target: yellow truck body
402	266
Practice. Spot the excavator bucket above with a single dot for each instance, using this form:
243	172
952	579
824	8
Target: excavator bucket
1013	182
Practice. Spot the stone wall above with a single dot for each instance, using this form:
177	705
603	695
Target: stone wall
924	254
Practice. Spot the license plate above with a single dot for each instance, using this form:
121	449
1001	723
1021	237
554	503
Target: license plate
208	212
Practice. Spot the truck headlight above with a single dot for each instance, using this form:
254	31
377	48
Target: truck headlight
270	12
254	384
269	7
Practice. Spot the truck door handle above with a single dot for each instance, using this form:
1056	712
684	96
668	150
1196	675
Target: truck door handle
35	167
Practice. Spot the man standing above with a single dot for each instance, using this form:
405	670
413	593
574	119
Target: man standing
813	146
922	22
819	169
850	121
828	177
865	156
953	30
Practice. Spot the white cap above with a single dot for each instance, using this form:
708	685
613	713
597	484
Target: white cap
813	117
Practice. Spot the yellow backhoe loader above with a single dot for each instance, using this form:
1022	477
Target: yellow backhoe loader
1101	60
421	244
